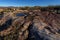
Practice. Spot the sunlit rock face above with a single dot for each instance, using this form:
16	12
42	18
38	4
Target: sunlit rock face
30	26
47	26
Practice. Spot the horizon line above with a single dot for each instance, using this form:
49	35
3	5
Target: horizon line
30	6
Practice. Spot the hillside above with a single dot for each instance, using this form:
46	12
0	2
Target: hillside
29	25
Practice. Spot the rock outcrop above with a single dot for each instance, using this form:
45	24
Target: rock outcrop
34	26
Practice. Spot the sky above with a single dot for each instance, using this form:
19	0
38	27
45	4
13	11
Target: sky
9	3
29	2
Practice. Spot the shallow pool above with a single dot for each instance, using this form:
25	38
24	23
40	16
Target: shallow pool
21	14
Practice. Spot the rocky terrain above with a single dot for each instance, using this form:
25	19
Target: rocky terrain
32	25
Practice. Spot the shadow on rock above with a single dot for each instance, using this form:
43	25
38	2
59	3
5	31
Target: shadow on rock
6	25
